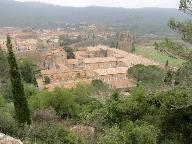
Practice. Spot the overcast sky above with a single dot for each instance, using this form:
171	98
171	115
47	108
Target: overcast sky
114	3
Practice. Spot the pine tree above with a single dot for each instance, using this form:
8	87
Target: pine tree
20	101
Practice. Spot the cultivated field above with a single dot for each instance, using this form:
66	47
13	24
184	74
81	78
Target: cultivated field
150	52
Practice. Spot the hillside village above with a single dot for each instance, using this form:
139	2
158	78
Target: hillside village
96	74
92	63
97	62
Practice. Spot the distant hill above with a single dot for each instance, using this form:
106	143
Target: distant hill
34	14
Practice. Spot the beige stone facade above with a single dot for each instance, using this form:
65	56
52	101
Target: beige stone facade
100	63
114	77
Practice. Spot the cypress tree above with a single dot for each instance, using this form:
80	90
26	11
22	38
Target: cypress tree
20	101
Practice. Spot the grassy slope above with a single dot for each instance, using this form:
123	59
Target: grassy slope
150	52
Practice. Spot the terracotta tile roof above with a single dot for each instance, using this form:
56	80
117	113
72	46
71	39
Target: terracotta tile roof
53	71
132	59
97	48
111	71
99	60
72	61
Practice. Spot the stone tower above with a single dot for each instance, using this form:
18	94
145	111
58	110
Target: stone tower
126	42
52	58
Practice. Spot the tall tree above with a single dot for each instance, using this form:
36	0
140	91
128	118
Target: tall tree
184	74
186	6
20	101
184	28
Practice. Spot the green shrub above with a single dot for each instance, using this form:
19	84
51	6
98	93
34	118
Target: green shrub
184	75
82	93
47	80
130	134
98	85
45	115
1	101
8	124
64	103
28	71
148	75
41	100
50	133
30	90
92	113
6	92
176	111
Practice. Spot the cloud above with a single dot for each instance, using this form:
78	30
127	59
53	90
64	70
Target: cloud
114	3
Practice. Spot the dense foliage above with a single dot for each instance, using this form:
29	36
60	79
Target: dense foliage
4	68
148	76
184	75
66	40
28	71
184	28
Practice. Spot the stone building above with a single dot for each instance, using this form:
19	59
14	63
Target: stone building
65	74
114	77
92	52
90	64
75	64
126	42
64	78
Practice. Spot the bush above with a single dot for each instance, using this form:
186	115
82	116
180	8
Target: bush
98	85
28	71
82	93
45	115
184	75
64	103
41	100
144	134
47	80
50	133
147	75
1	101
176	111
8	124
7	92
30	90
92	113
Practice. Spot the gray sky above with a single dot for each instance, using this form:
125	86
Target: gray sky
114	3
